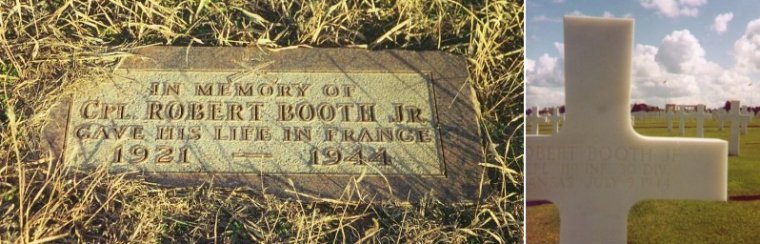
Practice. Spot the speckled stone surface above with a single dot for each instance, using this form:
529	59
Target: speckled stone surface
321	118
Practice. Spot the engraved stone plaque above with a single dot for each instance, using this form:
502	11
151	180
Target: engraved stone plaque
321	118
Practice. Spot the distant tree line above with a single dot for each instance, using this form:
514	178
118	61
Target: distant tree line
643	107
754	110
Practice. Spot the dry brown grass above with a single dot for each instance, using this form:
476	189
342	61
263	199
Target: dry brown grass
46	46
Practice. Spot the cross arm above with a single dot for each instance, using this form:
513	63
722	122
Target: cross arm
695	169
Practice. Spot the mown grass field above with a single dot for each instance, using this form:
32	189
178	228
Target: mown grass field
660	221
49	46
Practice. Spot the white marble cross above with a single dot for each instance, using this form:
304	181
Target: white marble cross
720	115
640	115
555	118
669	114
747	120
597	167
700	115
682	122
736	118
534	121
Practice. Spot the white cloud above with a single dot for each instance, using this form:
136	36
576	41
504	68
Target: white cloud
644	63
605	14
747	48
530	65
560	49
720	24
547	71
681	53
674	8
558	1
545	80
652	83
677	49
676	71
544	18
544	97
575	13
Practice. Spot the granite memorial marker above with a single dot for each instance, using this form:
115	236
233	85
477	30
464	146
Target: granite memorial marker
597	167
321	118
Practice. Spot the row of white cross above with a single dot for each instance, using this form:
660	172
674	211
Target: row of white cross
738	116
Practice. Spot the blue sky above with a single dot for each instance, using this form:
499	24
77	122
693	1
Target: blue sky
707	51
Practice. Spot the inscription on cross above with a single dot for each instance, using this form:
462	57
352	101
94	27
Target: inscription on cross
597	166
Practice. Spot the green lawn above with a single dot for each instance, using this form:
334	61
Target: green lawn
659	221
